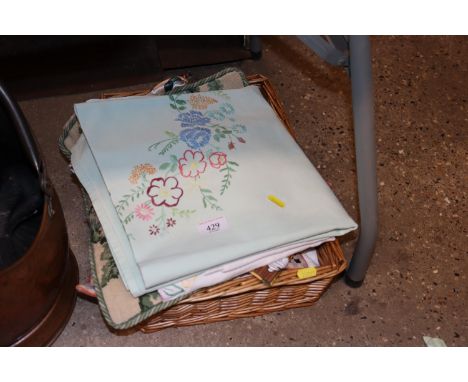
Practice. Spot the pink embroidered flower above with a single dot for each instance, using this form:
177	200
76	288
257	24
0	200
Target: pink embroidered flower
153	230
217	159
170	222
144	212
165	191
192	164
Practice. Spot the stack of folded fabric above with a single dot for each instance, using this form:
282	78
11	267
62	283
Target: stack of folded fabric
194	189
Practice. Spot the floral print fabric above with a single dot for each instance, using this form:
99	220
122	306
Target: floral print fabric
206	132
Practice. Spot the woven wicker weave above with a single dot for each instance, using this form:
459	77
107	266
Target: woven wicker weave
246	296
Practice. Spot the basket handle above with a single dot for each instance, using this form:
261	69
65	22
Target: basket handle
25	136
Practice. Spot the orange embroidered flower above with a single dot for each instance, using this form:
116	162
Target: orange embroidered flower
139	170
201	102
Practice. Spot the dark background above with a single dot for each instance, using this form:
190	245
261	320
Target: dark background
35	66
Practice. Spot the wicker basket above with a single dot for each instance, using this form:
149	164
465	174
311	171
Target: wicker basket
246	296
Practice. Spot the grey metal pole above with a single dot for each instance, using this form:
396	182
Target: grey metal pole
256	46
364	136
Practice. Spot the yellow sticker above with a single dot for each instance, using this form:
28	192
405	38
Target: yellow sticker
305	273
274	199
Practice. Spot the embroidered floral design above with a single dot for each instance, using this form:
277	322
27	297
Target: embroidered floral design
153	230
217	160
165	191
192	164
201	102
209	131
192	119
140	170
144	212
196	138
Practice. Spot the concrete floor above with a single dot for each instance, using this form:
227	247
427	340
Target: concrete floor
416	284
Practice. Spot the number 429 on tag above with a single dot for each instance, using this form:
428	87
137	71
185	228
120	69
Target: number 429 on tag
212	226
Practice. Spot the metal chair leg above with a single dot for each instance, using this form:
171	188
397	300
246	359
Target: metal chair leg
256	47
363	117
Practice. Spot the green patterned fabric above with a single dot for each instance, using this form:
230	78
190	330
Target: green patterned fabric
119	308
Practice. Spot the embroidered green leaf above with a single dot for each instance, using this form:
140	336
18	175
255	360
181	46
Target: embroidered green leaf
209	200
177	104
129	218
227	108
228	170
164	166
238	128
182	213
172	165
169	143
171	134
169	146
135	193
215	115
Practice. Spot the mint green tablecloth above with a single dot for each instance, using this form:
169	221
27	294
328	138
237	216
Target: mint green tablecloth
160	169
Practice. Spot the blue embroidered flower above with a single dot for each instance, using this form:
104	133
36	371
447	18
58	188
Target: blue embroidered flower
196	138
192	119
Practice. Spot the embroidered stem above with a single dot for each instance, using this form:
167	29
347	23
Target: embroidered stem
177	104
168	143
127	198
182	213
228	169
209	200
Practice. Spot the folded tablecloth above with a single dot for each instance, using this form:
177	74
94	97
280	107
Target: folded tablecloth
182	184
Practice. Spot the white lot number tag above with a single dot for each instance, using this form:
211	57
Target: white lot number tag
213	225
